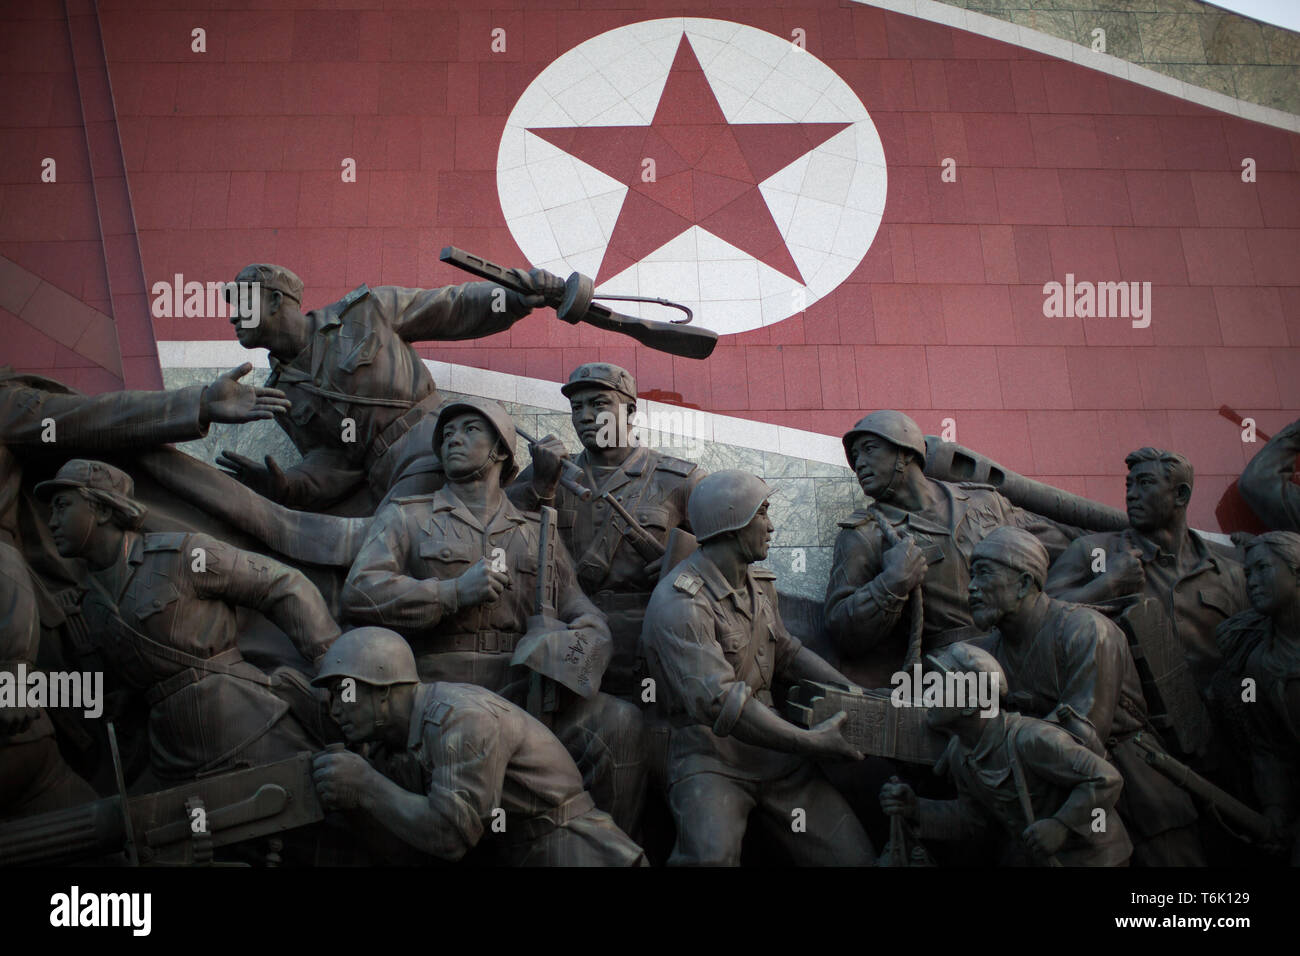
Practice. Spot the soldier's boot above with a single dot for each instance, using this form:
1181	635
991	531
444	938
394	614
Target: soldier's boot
604	736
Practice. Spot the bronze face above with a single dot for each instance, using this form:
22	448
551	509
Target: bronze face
874	461
993	592
1151	496
756	537
1271	583
72	522
596	418
467	442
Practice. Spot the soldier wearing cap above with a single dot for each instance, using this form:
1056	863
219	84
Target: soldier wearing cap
357	385
163	608
652	486
483	764
455	573
715	644
1071	664
936	525
1028	776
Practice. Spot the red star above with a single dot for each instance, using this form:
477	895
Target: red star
706	171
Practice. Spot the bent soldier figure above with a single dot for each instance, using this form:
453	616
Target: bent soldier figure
163	608
34	777
715	645
653	486
1072	665
933	526
491	778
1028	776
455	573
351	363
1261	651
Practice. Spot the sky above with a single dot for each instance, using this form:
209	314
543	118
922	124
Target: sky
1282	13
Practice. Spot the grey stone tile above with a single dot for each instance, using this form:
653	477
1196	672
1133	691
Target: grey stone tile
793	510
1218	78
718	456
837	498
820	469
1171	39
1274	86
783	466
1122	37
800	571
1283	46
1230	39
1059	23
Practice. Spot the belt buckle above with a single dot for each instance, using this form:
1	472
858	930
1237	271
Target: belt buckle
489	642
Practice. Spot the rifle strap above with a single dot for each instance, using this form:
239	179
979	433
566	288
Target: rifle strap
594	563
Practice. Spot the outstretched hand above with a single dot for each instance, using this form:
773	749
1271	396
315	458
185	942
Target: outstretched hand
228	400
269	481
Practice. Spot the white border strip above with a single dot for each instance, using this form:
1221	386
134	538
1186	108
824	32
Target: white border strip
504	387
995	29
538	392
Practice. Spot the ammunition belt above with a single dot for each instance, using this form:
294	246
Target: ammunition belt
536	827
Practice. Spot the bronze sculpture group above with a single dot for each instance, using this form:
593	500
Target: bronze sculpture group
564	666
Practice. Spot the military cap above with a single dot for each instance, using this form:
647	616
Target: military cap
274	277
1017	549
601	375
372	655
102	482
892	426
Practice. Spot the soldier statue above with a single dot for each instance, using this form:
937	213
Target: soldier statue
715	645
359	389
1053	796
1072	665
1267	484
456	572
1259	682
481	777
915	532
653	487
163	609
1161	560
34	777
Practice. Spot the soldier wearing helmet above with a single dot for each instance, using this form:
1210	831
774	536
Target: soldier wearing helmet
1072	664
1023	775
162	607
715	644
932	528
653	486
352	363
494	784
455	573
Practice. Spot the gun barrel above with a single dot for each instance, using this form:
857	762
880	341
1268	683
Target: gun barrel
947	461
1255	824
63	836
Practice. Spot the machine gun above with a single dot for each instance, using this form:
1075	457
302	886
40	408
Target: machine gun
577	305
176	827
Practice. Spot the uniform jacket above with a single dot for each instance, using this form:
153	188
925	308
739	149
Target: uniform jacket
1064	780
360	346
1197	602
20	632
476	753
712	651
200	720
870	624
654	487
1078	669
404	578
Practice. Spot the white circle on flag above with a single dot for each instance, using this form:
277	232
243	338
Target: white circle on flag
826	203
